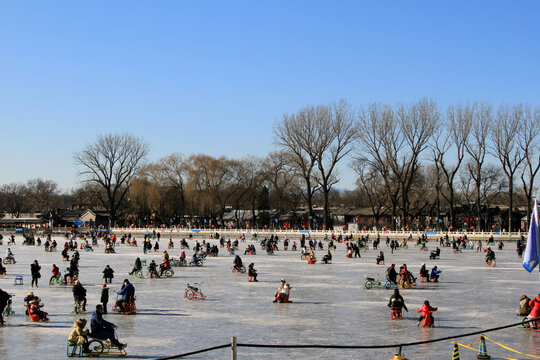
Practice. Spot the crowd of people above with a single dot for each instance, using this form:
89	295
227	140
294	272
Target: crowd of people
102	329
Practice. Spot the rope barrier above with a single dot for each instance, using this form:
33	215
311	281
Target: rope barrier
400	346
387	346
196	352
510	349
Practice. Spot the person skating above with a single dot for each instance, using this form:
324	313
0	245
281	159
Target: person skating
102	329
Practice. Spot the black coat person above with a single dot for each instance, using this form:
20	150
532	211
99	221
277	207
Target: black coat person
4	298
104	297
391	274
34	269
108	274
79	293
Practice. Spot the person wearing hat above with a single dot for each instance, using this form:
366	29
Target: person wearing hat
79	293
104	297
35	309
29	298
79	336
281	286
282	295
128	296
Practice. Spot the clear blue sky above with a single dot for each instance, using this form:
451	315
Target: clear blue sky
212	77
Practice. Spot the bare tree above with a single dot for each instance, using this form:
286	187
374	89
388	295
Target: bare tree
174	169
477	147
247	179
508	123
211	177
417	123
528	137
285	182
303	138
493	185
377	127
111	162
371	183
337	133
13	199
458	126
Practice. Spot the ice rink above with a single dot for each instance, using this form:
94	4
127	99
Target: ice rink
330	304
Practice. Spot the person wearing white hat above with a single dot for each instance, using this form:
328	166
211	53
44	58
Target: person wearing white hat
282	295
79	293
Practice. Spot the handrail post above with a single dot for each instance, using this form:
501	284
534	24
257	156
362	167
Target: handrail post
234	349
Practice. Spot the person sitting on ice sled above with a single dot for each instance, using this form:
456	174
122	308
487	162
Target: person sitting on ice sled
535	311
282	295
426	311
424	273
435	274
238	263
524	307
152	269
396	302
252	272
328	257
79	336
490	255
435	253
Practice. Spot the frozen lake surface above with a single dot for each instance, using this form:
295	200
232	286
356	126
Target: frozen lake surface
330	304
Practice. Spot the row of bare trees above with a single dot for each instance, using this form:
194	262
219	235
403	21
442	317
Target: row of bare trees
396	141
410	159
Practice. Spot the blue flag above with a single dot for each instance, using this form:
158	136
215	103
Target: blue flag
530	259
